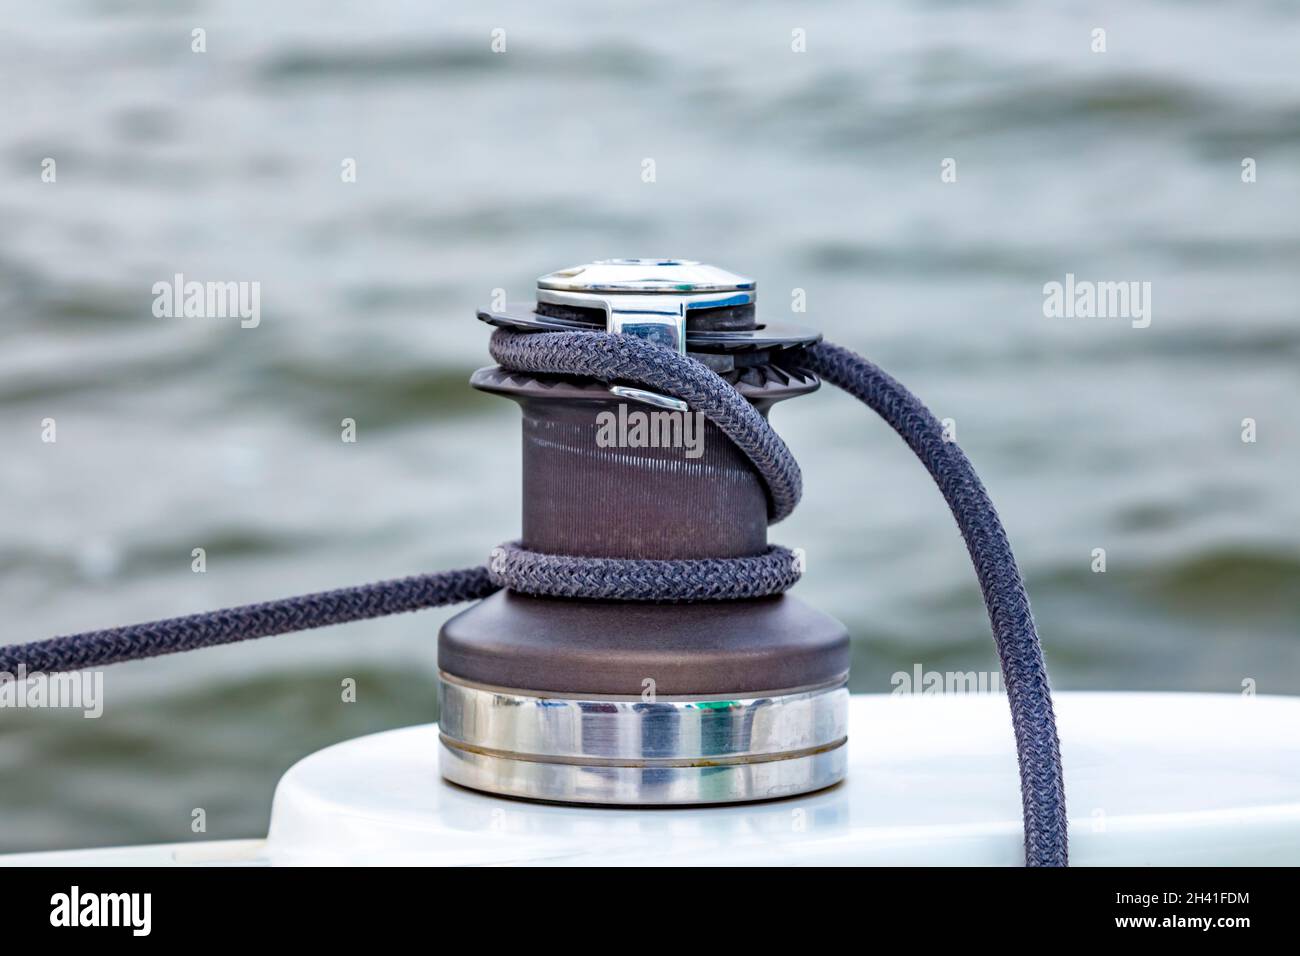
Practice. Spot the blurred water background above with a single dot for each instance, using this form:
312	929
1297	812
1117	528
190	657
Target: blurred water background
477	170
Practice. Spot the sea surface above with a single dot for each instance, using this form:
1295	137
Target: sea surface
479	170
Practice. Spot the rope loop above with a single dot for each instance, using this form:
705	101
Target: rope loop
630	579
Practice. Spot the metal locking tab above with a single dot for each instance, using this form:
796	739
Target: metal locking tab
648	298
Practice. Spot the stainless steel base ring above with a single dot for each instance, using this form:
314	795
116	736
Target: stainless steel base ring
634	752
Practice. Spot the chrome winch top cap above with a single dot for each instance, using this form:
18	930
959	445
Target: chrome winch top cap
641	276
674	302
676	285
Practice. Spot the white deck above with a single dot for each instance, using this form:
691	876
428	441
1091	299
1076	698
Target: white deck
1151	779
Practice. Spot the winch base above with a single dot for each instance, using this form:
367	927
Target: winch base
643	752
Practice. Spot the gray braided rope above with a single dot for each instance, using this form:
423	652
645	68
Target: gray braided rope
1024	671
613	358
630	579
229	625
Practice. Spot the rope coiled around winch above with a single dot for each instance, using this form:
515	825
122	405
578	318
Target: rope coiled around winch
617	358
637	579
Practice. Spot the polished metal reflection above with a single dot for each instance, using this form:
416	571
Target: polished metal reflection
646	785
649	286
631	276
633	751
